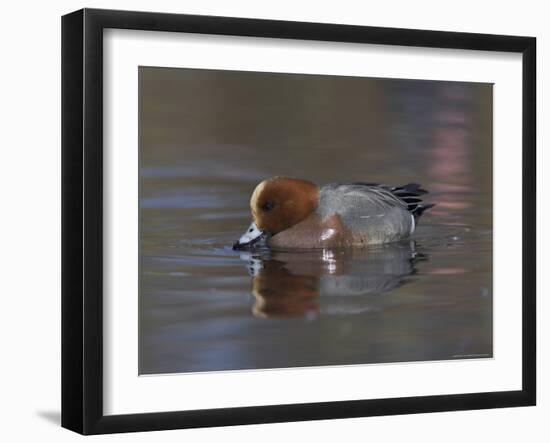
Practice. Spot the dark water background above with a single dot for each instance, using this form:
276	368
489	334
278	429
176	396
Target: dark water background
208	137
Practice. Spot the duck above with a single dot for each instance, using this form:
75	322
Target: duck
292	213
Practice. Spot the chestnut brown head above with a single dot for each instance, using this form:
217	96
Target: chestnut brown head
281	202
277	204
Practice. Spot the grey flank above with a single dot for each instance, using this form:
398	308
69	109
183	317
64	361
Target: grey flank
367	209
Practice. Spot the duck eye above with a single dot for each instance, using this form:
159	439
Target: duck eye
268	206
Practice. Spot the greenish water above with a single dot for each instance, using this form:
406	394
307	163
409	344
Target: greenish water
208	137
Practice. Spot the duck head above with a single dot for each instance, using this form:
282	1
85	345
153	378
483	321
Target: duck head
278	204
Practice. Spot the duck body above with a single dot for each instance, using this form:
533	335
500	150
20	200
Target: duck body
350	215
331	216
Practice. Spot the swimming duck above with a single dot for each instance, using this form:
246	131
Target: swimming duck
290	213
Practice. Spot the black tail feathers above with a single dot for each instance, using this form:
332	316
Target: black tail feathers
417	212
410	188
410	194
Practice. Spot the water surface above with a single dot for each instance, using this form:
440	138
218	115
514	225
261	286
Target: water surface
208	137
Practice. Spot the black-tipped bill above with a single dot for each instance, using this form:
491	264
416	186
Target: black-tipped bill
251	237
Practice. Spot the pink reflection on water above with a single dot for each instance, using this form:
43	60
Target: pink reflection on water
446	271
450	157
449	154
453	204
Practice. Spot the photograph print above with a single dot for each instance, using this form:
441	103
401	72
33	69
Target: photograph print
293	220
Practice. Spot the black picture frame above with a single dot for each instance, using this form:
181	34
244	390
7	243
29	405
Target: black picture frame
82	220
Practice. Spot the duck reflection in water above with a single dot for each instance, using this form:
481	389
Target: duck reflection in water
290	284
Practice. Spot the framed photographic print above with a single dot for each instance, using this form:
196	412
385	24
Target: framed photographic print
269	221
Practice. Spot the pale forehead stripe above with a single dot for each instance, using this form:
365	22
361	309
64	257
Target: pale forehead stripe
256	193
